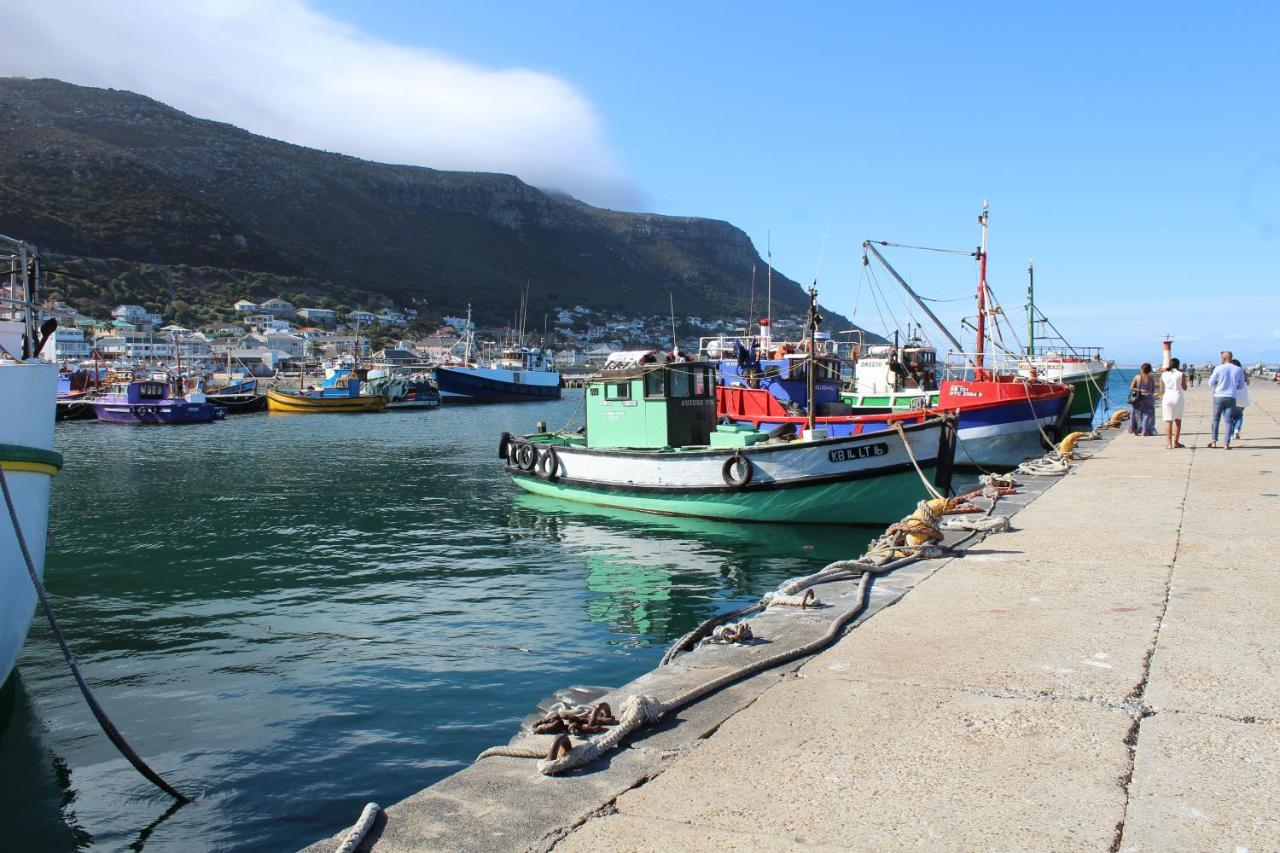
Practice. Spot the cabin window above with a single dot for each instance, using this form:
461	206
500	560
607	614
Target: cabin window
679	383
700	383
151	390
595	392
655	383
617	391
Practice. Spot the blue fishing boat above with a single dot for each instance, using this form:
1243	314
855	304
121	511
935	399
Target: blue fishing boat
149	402
515	374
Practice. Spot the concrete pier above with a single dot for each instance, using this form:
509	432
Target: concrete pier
1106	676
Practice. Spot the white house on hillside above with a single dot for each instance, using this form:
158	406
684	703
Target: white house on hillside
277	307
244	306
318	316
136	315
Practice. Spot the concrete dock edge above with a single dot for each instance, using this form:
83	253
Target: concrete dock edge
1102	677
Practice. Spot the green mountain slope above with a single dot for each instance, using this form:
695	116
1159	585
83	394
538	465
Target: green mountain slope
197	210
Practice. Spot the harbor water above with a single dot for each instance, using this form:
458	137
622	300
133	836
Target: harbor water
290	616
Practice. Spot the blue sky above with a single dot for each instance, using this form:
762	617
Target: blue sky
1132	150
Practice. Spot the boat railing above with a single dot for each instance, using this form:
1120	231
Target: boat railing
722	346
961	365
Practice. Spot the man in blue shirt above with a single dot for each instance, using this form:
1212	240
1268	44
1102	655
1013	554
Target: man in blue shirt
1225	381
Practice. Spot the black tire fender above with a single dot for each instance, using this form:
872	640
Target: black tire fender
504	445
549	464
737	470
526	456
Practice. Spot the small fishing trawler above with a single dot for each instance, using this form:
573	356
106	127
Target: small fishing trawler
74	393
151	401
515	374
652	443
28	394
238	397
341	391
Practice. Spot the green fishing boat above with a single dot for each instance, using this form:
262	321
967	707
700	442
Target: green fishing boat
652	443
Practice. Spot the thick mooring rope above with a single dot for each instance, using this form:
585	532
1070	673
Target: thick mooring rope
103	720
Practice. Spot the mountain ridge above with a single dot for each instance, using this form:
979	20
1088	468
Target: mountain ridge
97	175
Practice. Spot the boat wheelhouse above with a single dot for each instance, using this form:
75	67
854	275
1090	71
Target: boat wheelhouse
652	443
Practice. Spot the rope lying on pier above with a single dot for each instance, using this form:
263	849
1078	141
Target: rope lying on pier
361	829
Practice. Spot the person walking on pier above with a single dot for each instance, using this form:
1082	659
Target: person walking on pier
1142	395
1172	403
1226	380
1242	400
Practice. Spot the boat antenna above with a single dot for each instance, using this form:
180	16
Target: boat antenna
751	312
675	346
768	311
979	373
1031	307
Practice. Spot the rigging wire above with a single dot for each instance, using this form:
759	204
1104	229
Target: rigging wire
968	252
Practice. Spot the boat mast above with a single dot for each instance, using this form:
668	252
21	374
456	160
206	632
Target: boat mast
979	373
814	319
1031	308
466	339
768	309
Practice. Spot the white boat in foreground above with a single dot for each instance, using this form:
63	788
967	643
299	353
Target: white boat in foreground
28	403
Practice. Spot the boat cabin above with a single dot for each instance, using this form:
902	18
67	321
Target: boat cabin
653	402
885	369
522	358
148	391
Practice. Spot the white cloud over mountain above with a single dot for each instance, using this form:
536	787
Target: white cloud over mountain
281	69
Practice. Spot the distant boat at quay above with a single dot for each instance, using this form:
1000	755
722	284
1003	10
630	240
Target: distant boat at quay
515	374
149	401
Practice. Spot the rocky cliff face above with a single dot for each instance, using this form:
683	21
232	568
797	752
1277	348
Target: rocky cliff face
95	173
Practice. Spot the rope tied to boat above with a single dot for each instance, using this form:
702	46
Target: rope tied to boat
576	720
906	443
806	600
733	633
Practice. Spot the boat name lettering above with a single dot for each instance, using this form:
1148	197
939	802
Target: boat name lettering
962	391
696	402
863	451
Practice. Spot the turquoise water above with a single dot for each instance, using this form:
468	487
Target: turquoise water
289	616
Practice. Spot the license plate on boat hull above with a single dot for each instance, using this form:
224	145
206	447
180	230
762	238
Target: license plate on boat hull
862	451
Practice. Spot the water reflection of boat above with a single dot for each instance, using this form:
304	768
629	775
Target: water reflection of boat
658	576
26	809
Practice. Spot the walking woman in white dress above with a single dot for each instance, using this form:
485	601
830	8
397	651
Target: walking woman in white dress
1173	402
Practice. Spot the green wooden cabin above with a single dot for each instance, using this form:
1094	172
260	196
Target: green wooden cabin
652	406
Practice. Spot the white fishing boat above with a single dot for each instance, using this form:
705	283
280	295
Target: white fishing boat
1051	358
28	402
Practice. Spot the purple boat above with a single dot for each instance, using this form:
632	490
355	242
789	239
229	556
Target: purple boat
148	402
